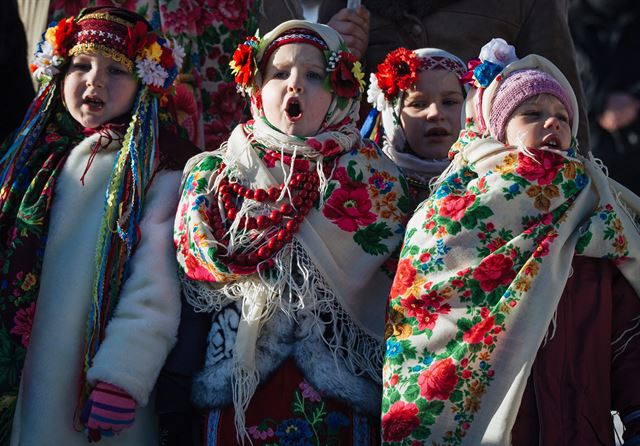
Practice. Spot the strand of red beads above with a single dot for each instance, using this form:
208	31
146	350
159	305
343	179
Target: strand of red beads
280	224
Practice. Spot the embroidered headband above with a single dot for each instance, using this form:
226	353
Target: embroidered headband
294	35
112	32
105	34
518	87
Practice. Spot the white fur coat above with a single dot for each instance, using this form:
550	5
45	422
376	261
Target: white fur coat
144	325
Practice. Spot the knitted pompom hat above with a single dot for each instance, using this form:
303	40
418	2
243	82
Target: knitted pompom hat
518	87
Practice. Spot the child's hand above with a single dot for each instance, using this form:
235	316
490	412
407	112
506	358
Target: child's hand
108	410
353	26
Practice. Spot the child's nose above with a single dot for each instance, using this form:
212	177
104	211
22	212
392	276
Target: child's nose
95	79
295	84
433	112
552	122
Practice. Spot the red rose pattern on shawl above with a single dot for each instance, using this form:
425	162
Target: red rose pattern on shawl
452	380
348	200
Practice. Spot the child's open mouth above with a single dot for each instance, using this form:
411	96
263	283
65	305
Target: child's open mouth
94	103
551	140
293	110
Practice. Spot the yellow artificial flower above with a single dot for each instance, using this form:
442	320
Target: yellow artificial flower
358	74
154	51
50	36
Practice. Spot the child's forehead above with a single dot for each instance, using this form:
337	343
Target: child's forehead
297	53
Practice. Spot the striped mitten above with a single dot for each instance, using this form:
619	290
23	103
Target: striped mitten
108	410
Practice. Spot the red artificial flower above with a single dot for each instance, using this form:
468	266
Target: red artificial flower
399	71
399	421
439	380
404	278
242	64
65	34
166	58
138	38
454	207
493	271
343	82
541	168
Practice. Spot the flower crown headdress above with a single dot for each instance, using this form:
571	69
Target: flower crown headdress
154	60
399	73
344	72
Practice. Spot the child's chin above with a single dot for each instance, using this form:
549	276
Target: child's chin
299	129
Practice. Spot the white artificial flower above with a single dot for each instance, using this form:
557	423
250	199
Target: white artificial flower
178	53
498	51
46	62
151	73
375	96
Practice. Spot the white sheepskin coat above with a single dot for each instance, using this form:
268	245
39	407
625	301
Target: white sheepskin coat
142	330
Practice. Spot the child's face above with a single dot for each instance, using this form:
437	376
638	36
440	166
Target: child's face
540	121
98	89
430	114
293	96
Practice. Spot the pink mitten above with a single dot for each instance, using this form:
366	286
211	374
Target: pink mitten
109	409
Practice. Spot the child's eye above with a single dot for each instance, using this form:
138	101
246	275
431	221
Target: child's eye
80	66
280	75
563	117
117	70
532	113
418	104
314	75
450	102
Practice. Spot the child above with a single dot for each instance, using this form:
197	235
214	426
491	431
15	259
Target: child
419	99
517	222
281	234
90	292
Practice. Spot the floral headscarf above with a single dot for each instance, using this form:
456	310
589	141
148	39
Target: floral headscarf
388	85
484	263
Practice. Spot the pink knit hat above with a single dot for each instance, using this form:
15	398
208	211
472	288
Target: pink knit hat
517	88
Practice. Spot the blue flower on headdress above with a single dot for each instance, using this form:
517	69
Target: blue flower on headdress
486	72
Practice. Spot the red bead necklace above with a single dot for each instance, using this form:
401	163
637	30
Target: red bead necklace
279	225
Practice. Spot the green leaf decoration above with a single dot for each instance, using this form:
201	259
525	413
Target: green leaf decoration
404	204
355	176
370	238
456	396
464	324
201	186
583	242
408	349
412	393
421	432
453	227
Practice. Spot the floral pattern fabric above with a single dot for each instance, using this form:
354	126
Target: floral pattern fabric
206	104
298	415
24	219
496	235
365	203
